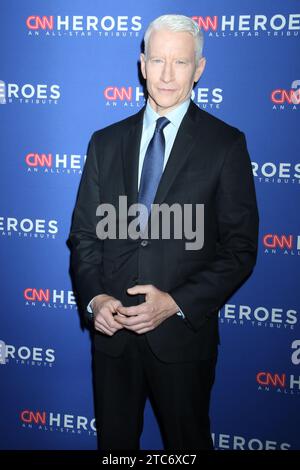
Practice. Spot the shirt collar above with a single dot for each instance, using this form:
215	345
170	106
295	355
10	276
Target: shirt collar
175	116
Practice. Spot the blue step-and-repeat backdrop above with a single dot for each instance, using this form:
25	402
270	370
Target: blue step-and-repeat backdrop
71	67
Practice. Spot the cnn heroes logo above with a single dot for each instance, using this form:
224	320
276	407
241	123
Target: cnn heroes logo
249	26
276	172
286	99
50	421
49	298
130	96
281	244
28	93
260	316
232	442
54	163
281	382
84	26
26	355
28	228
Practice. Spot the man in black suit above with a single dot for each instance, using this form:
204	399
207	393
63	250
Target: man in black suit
155	300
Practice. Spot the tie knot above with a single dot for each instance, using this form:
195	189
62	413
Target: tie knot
161	123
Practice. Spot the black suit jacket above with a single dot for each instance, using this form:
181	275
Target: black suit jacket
208	164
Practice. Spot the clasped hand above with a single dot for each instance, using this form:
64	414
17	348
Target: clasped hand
110	315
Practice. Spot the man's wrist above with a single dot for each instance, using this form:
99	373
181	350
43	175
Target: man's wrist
91	304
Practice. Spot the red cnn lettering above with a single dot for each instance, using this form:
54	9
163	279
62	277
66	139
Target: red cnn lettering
114	93
274	241
35	159
34	294
29	417
39	22
207	22
281	96
266	378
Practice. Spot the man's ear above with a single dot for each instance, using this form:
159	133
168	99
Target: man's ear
143	65
200	69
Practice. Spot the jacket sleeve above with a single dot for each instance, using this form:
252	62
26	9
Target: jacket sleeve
86	247
205	291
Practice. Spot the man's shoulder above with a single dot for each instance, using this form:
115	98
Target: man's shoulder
215	125
119	128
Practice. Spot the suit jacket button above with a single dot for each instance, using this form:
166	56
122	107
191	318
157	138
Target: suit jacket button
144	243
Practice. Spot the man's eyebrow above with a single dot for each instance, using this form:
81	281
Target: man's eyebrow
153	56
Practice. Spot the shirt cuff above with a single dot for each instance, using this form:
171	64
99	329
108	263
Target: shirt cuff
89	307
181	314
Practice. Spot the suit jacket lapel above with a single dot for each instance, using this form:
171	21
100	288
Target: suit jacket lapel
130	156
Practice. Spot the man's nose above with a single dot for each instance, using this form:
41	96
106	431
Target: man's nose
167	73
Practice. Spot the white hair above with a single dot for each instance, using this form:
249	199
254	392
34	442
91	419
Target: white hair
177	23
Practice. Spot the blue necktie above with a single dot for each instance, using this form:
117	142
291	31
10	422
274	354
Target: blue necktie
152	169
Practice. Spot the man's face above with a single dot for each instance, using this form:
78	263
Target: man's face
170	69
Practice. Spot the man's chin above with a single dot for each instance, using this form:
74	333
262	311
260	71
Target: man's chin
165	104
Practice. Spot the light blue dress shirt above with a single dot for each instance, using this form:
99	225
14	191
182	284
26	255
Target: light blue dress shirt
170	131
